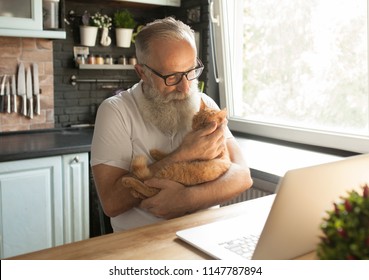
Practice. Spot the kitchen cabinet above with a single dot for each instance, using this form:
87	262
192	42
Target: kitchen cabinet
21	14
24	18
44	203
76	196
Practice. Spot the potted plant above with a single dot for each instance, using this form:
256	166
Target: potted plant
88	30
124	24
346	229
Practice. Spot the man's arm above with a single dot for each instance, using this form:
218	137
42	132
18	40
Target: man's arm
176	200
115	199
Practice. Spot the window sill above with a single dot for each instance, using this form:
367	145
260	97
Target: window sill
277	159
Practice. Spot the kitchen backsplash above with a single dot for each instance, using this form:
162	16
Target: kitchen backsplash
13	51
77	104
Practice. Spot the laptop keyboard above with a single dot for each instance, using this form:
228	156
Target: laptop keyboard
243	246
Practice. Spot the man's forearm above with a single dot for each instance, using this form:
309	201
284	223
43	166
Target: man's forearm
114	197
235	181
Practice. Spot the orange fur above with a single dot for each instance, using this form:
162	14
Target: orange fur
186	173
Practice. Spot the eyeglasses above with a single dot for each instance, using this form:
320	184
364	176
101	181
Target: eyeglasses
176	78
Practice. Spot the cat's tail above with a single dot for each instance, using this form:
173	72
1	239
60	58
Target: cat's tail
157	155
140	168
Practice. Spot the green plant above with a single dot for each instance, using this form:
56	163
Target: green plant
101	21
346	229
124	19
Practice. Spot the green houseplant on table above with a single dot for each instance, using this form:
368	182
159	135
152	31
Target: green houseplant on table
346	229
124	24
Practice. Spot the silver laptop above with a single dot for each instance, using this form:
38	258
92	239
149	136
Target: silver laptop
285	225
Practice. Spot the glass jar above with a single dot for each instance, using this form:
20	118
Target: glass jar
133	60
91	59
99	59
108	59
80	59
122	60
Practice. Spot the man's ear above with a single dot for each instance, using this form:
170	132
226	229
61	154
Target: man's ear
140	72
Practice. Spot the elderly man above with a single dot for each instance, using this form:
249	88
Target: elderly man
156	113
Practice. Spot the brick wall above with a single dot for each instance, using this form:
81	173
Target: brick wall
28	50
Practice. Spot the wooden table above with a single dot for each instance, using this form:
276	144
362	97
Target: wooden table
153	242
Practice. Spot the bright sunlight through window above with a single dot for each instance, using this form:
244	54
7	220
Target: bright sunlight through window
303	65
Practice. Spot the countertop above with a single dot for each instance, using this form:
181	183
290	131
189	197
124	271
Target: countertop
44	143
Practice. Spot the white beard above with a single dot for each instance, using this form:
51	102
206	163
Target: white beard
172	113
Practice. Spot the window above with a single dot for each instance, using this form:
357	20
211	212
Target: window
295	70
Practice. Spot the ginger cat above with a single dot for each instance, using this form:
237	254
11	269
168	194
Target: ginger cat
187	173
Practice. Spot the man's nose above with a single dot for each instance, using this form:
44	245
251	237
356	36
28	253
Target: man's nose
183	85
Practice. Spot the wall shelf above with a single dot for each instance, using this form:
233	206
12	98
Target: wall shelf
106	67
47	34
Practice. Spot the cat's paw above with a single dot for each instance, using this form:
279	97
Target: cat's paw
140	168
138	189
223	166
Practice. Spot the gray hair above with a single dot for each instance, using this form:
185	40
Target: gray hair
164	29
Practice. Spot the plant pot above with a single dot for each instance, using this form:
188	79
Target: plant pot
88	35
123	37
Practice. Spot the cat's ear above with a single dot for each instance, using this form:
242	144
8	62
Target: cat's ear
223	113
202	105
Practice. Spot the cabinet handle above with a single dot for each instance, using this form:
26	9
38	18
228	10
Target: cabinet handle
76	159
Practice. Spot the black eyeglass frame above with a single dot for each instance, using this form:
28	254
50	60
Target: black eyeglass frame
164	77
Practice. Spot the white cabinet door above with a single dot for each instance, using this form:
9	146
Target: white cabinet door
31	195
76	197
21	14
24	18
44	203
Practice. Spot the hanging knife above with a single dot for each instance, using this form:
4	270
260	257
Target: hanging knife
14	94
7	93
2	94
29	94
36	88
22	87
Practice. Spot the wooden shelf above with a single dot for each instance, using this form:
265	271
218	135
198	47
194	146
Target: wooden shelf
106	67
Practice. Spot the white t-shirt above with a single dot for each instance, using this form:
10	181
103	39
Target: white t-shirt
121	133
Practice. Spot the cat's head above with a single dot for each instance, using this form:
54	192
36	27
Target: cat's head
206	115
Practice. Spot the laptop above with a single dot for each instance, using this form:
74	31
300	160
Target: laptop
284	225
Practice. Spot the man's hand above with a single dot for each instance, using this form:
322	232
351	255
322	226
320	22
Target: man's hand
203	144
169	202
